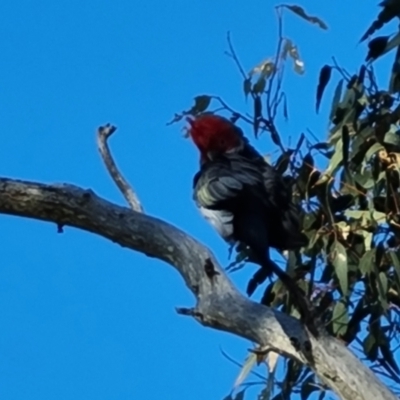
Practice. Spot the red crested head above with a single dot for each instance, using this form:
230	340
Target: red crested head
213	134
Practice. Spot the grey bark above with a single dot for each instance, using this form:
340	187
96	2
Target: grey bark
219	305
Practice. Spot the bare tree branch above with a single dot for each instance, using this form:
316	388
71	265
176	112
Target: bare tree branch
103	133
219	305
232	54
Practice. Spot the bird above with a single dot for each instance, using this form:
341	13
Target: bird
245	199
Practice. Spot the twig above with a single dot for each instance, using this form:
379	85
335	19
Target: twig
271	105
230	109
345	75
232	54
103	133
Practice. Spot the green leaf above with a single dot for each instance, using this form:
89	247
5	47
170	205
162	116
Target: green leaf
277	288
392	138
276	138
309	220
376	47
339	261
378	216
257	114
361	74
269	296
365	179
346	141
394	84
370	347
266	393
257	107
354	326
367	262
334	163
292	262
382	46
390	11
382	290
340	319
387	354
356	214
301	13
293	371
359	141
201	104
372	150
240	395
259	86
285	109
283	161
367	239
395	262
321	146
324	77
347	111
336	99
247	87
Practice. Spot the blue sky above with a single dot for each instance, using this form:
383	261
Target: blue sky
82	318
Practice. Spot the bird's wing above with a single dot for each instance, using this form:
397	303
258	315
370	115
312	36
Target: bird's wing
278	194
218	187
220	182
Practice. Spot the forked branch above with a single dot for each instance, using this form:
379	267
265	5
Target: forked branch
219	305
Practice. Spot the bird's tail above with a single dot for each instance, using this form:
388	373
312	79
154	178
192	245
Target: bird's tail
291	224
299	298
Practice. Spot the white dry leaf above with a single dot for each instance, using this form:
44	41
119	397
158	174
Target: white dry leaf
246	368
265	68
344	229
299	66
272	360
286	48
291	50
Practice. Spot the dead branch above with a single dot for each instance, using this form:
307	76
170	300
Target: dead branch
218	303
103	133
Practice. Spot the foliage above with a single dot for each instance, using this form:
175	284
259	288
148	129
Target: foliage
349	188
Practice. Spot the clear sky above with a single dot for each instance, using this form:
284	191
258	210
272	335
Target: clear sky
82	318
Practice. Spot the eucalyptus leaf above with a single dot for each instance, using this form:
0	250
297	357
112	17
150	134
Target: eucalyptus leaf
246	368
240	395
247	87
372	150
301	13
324	77
340	319
395	262
339	261
336	99
367	262
201	104
370	346
392	138
382	289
